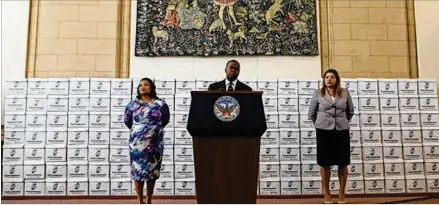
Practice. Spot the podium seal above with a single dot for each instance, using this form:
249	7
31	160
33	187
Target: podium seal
226	108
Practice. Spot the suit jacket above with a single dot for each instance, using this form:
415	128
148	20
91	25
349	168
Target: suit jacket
328	114
221	86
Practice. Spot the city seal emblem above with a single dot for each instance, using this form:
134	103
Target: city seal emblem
226	108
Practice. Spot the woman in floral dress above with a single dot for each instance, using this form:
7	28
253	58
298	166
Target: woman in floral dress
146	116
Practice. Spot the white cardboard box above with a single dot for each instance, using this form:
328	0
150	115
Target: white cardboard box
100	86
56	188
56	138
305	121
37	86
269	170
164	187
391	135
56	121
307	86
99	120
99	187
407	86
121	86
355	170
394	168
182	102
351	85
374	185
410	119
431	151
119	136
77	171
430	135
169	136
428	103
77	153
78	120
416	184
16	87
77	137
54	154
355	136
183	153
388	86
392	152
58	86
310	169
121	171
304	103
355	186
79	103
427	86
99	137
308	136
180	119
272	119
308	153
36	103
167	170
356	152
184	170
98	153
367	86
269	187
372	152
119	154
270	103
287	87
369	103
35	187
289	153
356	103
169	100
288	136
408	103
98	170
334	186
184	87
411	135
202	84
117	121
164	86
14	138
57	103
34	155
168	154
311	186
269	153
269	87
253	83
395	185
432	184
12	173
80	86
371	135
292	186
414	168
182	137
373	169
12	189
429	119
35	139
431	168
286	120
119	103
389	103
15	103
290	169
270	137
77	187
12	156
412	152
56	171
120	187
100	103
370	119
36	121
355	121
288	103
390	119
184	187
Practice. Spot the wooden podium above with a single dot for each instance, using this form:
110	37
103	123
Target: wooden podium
226	128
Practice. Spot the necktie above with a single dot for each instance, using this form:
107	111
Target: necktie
230	88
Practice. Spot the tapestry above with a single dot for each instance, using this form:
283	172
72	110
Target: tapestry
226	27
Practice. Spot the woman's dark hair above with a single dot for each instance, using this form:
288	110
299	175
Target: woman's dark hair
337	84
152	94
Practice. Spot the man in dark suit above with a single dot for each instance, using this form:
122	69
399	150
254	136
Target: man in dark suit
231	83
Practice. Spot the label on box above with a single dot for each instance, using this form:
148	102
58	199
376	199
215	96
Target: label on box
168	136
409	103
100	104
395	185
372	152
79	103
392	152
100	86
367	87
431	151
270	137
389	119
416	185
288	104
356	152
15	103
355	170
117	121
389	103
411	135
56	188
99	171
14	138
304	102
35	138
272	120
431	168
308	136
186	188
78	137
121	86
428	103
289	153
119	103
99	188
12	173
269	154
388	86
16	87
414	168
57	103
355	136
57	121
269	187
168	153
369	103
77	154
78	120
407	86
98	154
355	187
269	170
56	154
164	188
37	86
34	188
285	120
122	171
36	121
166	171
370	119
393	169
77	188
180	120
307	86
184	171
203	85
77	171
165	87
391	135
119	137
13	155
182	137
289	136
81	86
184	87
412	151
373	169
34	155
56	138
430	135
355	121
99	137
287	87
12	189
310	170
270	103
268	87
311	186
351	85
291	187
308	153
374	186
182	103
432	185
55	171
58	86
427	86
119	154
120	188
410	119
429	119
290	170
99	121
183	153
371	135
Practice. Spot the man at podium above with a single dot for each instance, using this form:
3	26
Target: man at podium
231	83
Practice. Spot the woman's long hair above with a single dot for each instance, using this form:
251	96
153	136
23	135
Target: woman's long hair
152	94
337	89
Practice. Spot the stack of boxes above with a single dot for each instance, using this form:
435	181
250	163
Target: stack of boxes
67	137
